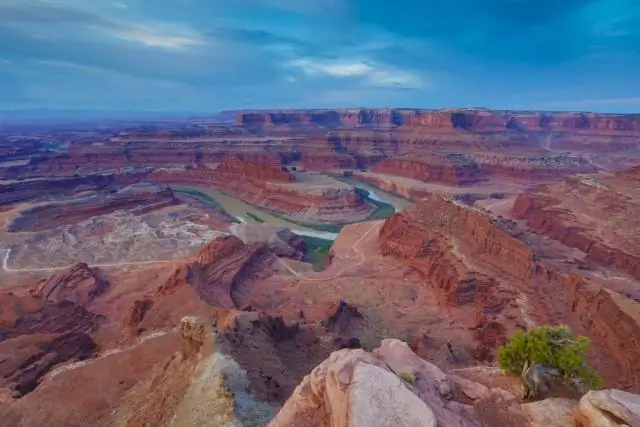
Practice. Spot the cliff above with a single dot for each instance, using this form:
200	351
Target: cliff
79	284
594	214
392	386
614	321
220	271
468	259
310	197
446	120
137	199
447	169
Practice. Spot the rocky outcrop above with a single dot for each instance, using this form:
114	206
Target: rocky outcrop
463	256
79	284
137	199
222	271
355	388
28	314
310	198
608	237
608	408
197	386
613	321
445	120
281	241
449	169
28	358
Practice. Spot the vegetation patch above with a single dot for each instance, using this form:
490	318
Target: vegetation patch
318	253
552	346
409	377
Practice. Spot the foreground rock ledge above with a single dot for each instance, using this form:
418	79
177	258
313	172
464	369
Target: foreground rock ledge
393	387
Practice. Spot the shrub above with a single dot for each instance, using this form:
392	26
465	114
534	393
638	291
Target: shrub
553	346
409	377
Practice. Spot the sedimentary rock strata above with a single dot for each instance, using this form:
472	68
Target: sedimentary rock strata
137	199
595	214
308	197
80	285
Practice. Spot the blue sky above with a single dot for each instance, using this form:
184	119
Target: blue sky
208	55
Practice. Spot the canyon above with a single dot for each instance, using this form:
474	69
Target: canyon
167	274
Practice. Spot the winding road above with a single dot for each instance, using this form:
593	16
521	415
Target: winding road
5	265
7	269
341	272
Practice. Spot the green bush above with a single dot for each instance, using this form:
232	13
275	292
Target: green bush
553	346
409	377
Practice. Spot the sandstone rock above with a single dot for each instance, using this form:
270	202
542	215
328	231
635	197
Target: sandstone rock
137	199
25	360
80	285
608	408
340	392
447	168
282	242
551	412
28	314
312	197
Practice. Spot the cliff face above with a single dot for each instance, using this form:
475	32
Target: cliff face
273	188
614	321
80	284
608	237
23	191
446	120
468	260
451	169
137	199
222	270
254	170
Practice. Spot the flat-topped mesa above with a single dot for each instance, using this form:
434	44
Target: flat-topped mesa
446	120
448	169
532	168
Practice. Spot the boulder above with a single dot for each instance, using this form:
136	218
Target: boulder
608	408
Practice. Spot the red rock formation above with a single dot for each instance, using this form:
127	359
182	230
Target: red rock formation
254	170
614	321
319	198
445	120
463	256
447	169
80	285
20	315
34	356
593	214
221	271
138	199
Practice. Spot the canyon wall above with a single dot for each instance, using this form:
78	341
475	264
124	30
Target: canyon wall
272	187
446	120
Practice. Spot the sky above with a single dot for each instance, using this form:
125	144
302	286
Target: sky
212	55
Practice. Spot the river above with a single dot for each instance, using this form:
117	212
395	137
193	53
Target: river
380	195
244	212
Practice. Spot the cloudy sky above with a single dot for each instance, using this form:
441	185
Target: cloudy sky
209	55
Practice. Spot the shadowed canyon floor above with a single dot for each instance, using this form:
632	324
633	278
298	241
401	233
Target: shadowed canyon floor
169	275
